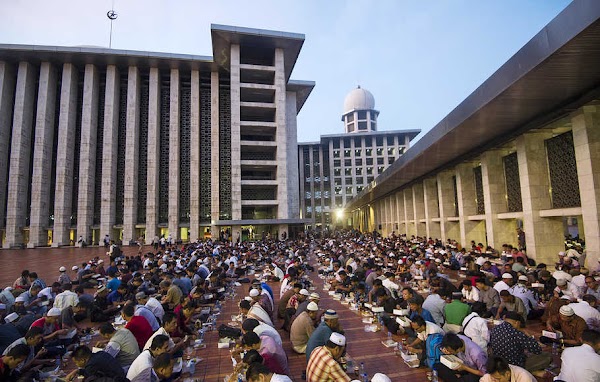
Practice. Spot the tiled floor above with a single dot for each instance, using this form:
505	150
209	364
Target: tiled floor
362	346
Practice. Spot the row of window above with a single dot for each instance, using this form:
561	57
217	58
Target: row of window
368	141
391	151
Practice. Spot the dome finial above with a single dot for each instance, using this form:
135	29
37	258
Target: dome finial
358	86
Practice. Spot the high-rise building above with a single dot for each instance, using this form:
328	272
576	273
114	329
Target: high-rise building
339	166
132	144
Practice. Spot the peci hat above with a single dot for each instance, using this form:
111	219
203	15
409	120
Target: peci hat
337	339
54	312
62	269
140	295
507	276
566	310
378	377
11	317
254	293
304	292
21	299
314	296
75	267
523	278
313	307
561	282
330	314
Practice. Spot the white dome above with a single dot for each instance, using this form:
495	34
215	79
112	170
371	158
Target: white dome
359	99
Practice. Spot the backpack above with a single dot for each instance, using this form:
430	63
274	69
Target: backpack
433	350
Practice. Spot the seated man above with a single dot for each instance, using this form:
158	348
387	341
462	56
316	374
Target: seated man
10	361
258	372
161	370
273	355
302	328
498	370
475	327
569	324
472	356
455	313
94	365
169	329
422	330
252	325
323	362
322	333
582	363
512	304
120	343
508	341
137	325
33	338
51	330
160	345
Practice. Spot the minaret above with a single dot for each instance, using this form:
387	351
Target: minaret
360	115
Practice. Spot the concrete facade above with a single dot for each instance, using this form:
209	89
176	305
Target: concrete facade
180	186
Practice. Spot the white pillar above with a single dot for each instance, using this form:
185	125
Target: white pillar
236	170
152	183
281	138
42	156
110	147
20	151
7	96
174	134
132	148
195	157
214	152
67	123
87	153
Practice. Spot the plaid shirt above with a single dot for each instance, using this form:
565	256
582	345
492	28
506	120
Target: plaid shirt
322	367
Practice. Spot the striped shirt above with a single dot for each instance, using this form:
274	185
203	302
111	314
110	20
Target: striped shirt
322	367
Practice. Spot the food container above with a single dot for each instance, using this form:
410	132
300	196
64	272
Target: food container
403	321
451	361
411	360
553	335
537	285
401	312
377	309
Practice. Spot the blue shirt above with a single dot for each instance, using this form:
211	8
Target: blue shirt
318	338
113	284
266	287
425	314
114	296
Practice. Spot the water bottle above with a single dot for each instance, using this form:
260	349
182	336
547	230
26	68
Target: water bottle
240	377
57	362
363	373
554	348
434	376
390	340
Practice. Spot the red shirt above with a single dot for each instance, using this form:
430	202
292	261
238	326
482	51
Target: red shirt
141	330
47	328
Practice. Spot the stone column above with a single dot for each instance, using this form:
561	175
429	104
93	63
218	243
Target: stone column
293	183
152	183
195	157
586	138
67	123
446	205
174	134
494	197
280	137
132	148
42	156
87	153
400	214
432	208
544	237
236	170
7	96
214	152
419	206
110	148
409	208
20	153
465	183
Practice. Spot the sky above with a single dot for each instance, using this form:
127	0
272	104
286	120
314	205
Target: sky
419	58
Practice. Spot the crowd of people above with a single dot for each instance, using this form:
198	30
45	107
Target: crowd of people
441	301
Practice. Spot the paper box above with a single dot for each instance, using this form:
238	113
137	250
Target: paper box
537	285
451	361
377	309
401	312
553	335
403	321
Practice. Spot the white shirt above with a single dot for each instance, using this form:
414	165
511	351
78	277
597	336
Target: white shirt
471	295
562	275
579	282
572	291
588	313
517	374
155	307
501	285
430	328
389	284
162	331
525	295
266	330
65	299
142	310
141	363
477	330
47	292
580	364
280	378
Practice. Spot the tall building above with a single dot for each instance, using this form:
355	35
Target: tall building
132	144
339	166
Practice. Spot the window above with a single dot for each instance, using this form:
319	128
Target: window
379	141
359	180
391	160
337	181
338	190
369	152
373	126
358	162
368	142
359	171
391	151
379	151
379	169
349	190
348	162
351	127
337	172
337	163
370	179
336	144
348	171
346	152
362	115
369	161
401	150
350	117
338	202
362	125
369	170
336	153
390	141
307	195
379	160
349	181
359	189
357	152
